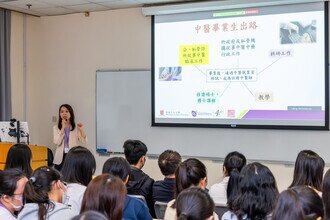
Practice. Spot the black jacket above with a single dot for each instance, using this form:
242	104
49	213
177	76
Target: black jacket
140	183
163	190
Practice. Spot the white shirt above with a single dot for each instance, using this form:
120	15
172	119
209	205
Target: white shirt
6	214
75	193
218	191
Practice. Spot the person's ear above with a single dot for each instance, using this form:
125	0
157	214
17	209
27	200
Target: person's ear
126	180
203	183
6	198
210	218
224	171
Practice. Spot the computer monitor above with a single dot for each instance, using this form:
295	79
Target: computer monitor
9	132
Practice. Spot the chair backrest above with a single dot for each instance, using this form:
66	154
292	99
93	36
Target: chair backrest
220	209
50	157
139	197
160	208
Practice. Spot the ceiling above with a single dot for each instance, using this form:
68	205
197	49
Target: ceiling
61	7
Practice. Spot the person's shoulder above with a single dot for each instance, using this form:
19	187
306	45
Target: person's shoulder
60	210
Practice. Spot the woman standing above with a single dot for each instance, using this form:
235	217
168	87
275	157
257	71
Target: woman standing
66	134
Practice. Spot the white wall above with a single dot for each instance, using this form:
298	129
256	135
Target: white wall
63	53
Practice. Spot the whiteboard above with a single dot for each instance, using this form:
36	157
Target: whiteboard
123	111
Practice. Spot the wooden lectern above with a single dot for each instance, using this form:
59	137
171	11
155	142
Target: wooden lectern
39	155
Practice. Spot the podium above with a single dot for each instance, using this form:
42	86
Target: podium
39	155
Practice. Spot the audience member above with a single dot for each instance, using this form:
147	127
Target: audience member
12	183
90	215
77	170
194	204
232	165
133	208
299	202
308	170
66	134
163	190
19	156
256	196
139	183
105	194
191	172
326	195
44	194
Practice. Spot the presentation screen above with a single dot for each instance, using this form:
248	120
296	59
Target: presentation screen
262	67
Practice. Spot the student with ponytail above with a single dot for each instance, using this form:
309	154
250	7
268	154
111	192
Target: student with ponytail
191	172
194	204
44	195
232	165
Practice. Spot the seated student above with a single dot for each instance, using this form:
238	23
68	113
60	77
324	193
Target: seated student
326	194
105	194
194	203
257	194
19	156
191	172
133	208
12	183
44	194
163	190
299	202
232	165
139	183
78	169
308	170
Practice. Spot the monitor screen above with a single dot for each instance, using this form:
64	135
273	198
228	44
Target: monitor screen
259	67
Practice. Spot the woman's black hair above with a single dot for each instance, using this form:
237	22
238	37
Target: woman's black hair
326	195
79	166
72	120
189	173
194	203
257	192
38	187
308	170
8	180
19	156
234	161
117	166
233	164
299	202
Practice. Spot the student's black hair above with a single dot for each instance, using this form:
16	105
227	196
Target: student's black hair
299	202
19	156
308	170
37	189
72	120
189	173
134	150
117	166
233	163
326	195
194	204
79	166
257	192
168	161
8	180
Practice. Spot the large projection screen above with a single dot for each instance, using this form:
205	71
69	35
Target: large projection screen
262	67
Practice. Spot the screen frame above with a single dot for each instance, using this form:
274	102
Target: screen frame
247	126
